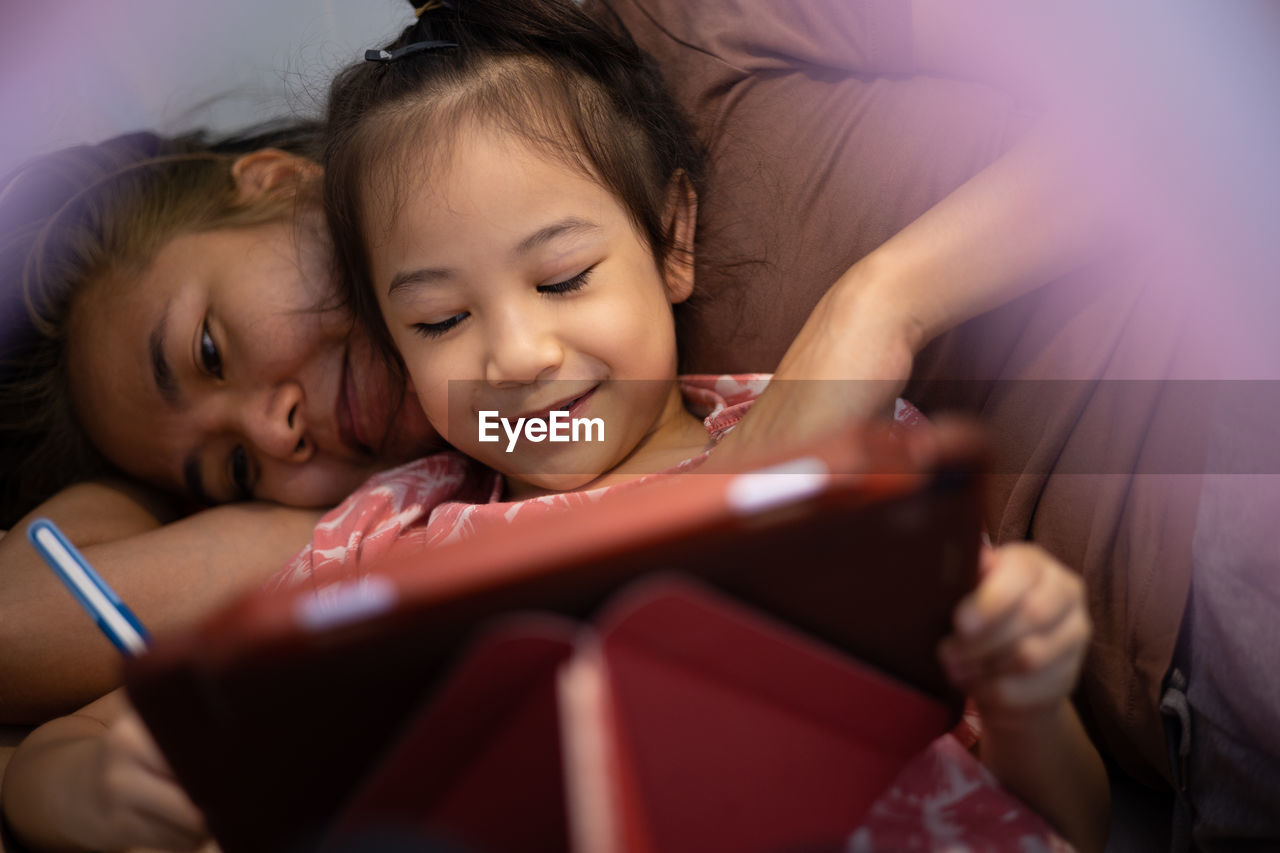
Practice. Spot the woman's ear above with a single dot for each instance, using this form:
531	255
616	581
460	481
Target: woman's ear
681	219
268	170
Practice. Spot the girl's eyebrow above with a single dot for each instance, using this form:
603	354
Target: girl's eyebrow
570	225
417	278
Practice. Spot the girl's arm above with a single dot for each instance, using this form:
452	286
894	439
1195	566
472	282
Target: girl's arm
95	780
1051	764
1019	643
170	572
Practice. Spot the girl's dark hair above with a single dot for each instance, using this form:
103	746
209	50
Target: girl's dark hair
79	216
542	69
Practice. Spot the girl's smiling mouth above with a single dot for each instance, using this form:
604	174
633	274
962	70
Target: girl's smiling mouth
573	405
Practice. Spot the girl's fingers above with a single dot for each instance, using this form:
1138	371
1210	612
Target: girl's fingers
1033	653
1039	613
159	814
153	809
1021	651
1021	636
137	789
129	735
1068	637
1054	667
1014	569
170	805
1011	695
988	557
1040	609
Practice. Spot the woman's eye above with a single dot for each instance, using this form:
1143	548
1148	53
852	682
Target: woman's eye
240	473
210	359
435	330
578	282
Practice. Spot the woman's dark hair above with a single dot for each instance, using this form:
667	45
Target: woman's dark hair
79	216
542	69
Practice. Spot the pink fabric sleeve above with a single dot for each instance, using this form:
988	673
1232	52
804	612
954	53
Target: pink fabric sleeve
365	525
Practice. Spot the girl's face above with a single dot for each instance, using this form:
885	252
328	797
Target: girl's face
214	374
513	284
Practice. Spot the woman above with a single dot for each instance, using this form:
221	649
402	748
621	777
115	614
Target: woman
186	332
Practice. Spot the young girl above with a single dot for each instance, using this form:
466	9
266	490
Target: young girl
515	195
514	198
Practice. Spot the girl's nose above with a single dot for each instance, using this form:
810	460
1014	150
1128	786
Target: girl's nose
520	353
278	427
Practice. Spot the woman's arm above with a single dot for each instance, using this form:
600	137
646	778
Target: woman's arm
171	573
94	780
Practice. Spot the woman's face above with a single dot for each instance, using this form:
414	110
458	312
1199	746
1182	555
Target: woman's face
214	373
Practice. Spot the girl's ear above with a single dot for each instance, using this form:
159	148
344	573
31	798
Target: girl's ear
268	170
681	218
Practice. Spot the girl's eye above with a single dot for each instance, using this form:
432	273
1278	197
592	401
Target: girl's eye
240	473
210	359
578	282
435	330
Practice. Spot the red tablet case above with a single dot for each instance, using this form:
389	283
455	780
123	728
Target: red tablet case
274	711
679	721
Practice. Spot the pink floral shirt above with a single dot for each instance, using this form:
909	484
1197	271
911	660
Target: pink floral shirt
447	497
943	800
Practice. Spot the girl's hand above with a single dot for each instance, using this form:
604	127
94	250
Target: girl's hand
1020	637
133	798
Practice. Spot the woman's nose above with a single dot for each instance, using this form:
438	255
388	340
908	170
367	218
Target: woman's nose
521	353
278	427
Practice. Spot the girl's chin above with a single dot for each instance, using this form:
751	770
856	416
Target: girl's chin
524	484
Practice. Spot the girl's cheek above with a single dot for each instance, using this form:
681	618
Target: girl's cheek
436	407
446	399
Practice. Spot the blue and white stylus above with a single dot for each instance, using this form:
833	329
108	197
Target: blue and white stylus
116	621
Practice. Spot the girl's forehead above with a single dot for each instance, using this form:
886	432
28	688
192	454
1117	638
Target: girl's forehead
434	147
485	169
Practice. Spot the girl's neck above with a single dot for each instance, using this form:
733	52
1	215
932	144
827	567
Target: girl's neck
677	436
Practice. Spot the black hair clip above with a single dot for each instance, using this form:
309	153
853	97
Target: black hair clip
401	52
385	55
